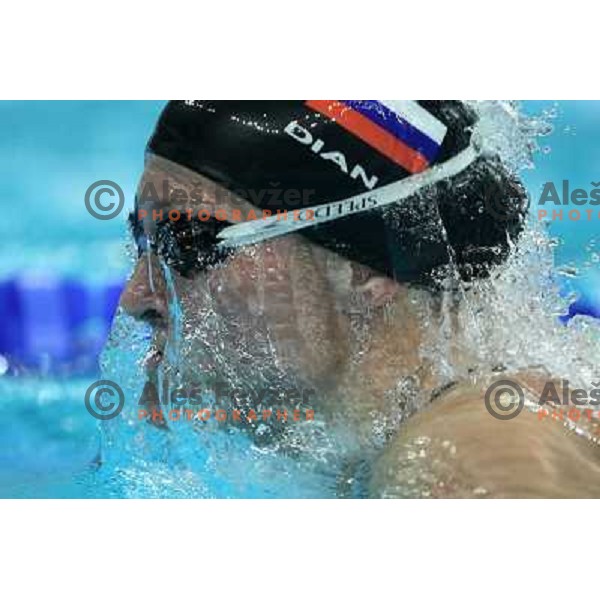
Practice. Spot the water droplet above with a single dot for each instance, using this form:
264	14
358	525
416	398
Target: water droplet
568	271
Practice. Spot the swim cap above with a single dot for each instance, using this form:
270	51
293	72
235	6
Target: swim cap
285	155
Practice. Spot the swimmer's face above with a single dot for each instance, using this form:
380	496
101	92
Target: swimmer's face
265	310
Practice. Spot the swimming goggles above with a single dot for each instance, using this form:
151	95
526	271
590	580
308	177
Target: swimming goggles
192	246
187	246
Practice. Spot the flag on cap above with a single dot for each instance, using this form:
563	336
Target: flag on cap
401	130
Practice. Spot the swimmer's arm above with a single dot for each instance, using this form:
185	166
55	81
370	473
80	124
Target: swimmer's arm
456	449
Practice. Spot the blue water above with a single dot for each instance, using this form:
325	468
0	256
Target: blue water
52	448
49	153
49	440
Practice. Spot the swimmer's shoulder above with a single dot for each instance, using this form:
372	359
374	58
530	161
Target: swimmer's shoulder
456	449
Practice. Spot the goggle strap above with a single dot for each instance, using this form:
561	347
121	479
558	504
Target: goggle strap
252	232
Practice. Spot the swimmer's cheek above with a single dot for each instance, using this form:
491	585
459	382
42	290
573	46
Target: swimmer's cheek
458	450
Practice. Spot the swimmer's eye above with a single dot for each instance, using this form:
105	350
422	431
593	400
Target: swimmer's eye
188	246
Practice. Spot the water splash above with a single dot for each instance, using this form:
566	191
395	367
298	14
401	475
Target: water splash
510	320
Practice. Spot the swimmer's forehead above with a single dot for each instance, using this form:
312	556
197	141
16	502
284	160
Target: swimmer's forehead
165	185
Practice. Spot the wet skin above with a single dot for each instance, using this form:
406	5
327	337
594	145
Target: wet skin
287	308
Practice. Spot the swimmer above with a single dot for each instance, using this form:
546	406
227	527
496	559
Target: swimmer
351	301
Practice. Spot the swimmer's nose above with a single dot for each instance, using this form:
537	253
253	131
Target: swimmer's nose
145	295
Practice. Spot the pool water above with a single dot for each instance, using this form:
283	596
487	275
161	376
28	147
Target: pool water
49	440
51	447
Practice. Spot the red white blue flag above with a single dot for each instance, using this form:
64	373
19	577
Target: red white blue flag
401	130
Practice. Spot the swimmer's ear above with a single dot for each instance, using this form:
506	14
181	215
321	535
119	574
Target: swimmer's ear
379	290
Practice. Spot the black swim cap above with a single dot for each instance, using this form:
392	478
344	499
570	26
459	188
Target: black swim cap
327	151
